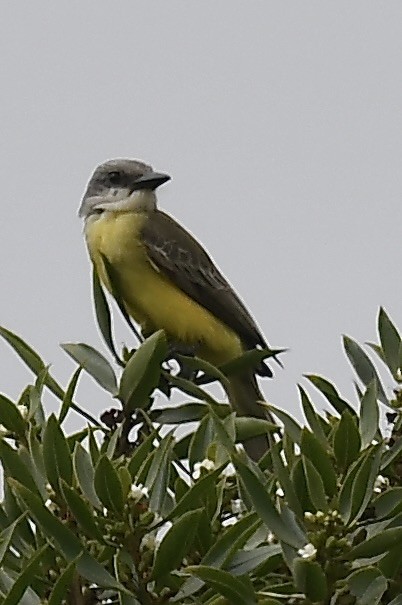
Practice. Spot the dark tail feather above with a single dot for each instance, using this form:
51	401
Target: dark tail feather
244	394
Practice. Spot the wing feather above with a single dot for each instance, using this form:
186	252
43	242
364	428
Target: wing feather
185	262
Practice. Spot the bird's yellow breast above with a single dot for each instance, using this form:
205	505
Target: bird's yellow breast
150	297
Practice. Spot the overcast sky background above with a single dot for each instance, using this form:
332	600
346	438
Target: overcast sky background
281	126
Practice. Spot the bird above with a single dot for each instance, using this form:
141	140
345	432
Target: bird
167	280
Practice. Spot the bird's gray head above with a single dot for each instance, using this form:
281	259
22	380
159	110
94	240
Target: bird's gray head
121	185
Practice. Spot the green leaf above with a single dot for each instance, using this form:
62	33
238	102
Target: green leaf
195	363
388	504
56	454
315	485
246	561
201	440
300	485
69	394
59	591
80	510
390	341
377	545
330	393
25	578
85	474
363	366
311	416
248	426
188	412
234	589
10	417
396	601
32	360
102	313
176	543
357	487
264	507
314	450
114	286
283	474
346	440
6	537
108	486
224	435
140	454
189	388
14	467
392	454
289	423
66	542
363	483
233	538
94	363
369	415
310	579
157	480
142	372
195	496
364	585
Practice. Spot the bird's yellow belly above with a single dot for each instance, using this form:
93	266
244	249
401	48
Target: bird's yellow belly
152	299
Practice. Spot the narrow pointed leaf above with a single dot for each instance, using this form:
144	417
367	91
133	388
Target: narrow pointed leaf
377	545
392	454
389	503
390	341
103	316
346	441
263	505
69	394
60	589
10	417
232	588
369	415
85	474
65	540
56	454
188	412
310	579
283	474
25	578
94	363
81	512
311	416
197	493
289	423
363	366
176	543
140	453
31	359
315	451
315	485
6	537
14	467
330	393
108	486
141	374
246	561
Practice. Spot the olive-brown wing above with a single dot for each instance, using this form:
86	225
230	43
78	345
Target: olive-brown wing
185	262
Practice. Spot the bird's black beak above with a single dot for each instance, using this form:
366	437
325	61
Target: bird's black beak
150	180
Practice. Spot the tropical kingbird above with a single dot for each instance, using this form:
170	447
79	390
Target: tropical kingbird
166	278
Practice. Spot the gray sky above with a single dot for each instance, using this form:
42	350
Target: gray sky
281	125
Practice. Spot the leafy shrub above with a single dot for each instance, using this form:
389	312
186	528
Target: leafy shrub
125	512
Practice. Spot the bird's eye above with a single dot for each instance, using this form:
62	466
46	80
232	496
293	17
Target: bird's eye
114	177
